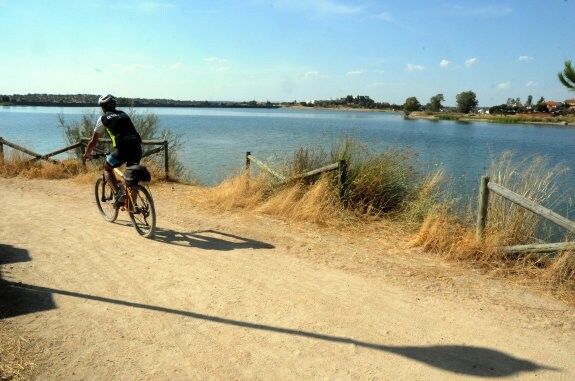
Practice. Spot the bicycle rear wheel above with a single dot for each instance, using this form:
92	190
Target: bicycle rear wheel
105	200
142	212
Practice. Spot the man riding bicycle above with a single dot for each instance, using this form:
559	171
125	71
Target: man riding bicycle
126	142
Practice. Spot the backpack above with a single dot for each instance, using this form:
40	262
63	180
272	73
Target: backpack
136	173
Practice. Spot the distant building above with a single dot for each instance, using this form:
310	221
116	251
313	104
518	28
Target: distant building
551	105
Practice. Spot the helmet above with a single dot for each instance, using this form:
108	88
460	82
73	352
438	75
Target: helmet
107	100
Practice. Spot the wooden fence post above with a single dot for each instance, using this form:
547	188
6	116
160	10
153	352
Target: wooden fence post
166	160
248	164
83	149
482	208
342	179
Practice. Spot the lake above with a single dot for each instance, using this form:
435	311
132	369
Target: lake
217	139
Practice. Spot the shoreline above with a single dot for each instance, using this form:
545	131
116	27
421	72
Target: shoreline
338	108
424	116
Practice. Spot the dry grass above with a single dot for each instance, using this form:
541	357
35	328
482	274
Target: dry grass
15	355
443	235
533	179
439	231
317	203
453	237
16	164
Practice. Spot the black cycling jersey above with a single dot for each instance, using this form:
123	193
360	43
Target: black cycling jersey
120	129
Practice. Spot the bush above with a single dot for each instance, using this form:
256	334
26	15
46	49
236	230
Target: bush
378	184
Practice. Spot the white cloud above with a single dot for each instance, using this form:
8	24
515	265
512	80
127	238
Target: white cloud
470	62
153	5
532	84
444	63
504	85
176	66
385	16
217	64
216	60
525	58
356	72
320	6
412	67
311	74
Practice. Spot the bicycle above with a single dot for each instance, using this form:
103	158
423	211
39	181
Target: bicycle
138	202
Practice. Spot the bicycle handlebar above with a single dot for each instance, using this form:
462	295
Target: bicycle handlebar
98	155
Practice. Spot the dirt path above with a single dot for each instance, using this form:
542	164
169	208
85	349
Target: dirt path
243	297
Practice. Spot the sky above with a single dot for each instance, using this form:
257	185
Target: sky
288	50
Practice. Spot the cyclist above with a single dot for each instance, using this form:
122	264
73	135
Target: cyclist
126	142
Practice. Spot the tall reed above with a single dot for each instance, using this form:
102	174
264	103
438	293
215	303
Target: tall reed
378	184
534	179
453	236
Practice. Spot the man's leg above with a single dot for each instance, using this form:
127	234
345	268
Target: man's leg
110	177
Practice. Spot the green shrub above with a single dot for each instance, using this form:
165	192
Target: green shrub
382	183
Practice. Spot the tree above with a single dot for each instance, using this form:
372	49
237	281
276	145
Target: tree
567	77
411	104
529	101
466	101
435	102
541	106
501	109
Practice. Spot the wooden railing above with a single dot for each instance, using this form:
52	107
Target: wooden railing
35	156
340	166
163	146
482	211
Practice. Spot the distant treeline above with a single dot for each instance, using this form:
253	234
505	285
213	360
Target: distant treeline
87	100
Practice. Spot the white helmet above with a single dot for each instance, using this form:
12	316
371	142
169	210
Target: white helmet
107	100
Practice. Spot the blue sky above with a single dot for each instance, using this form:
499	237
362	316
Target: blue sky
285	50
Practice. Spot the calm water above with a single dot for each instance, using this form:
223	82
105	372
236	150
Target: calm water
217	139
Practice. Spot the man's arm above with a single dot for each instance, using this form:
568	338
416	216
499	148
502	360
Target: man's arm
91	144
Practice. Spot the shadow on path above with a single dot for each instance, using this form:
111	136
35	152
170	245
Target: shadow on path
13	301
459	359
208	240
202	239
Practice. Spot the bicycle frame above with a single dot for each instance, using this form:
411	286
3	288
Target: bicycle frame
138	203
129	200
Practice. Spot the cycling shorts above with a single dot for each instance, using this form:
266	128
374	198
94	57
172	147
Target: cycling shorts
130	154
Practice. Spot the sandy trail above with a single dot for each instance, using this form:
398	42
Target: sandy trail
244	297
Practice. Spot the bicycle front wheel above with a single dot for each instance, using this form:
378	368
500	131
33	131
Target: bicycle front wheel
142	211
105	200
